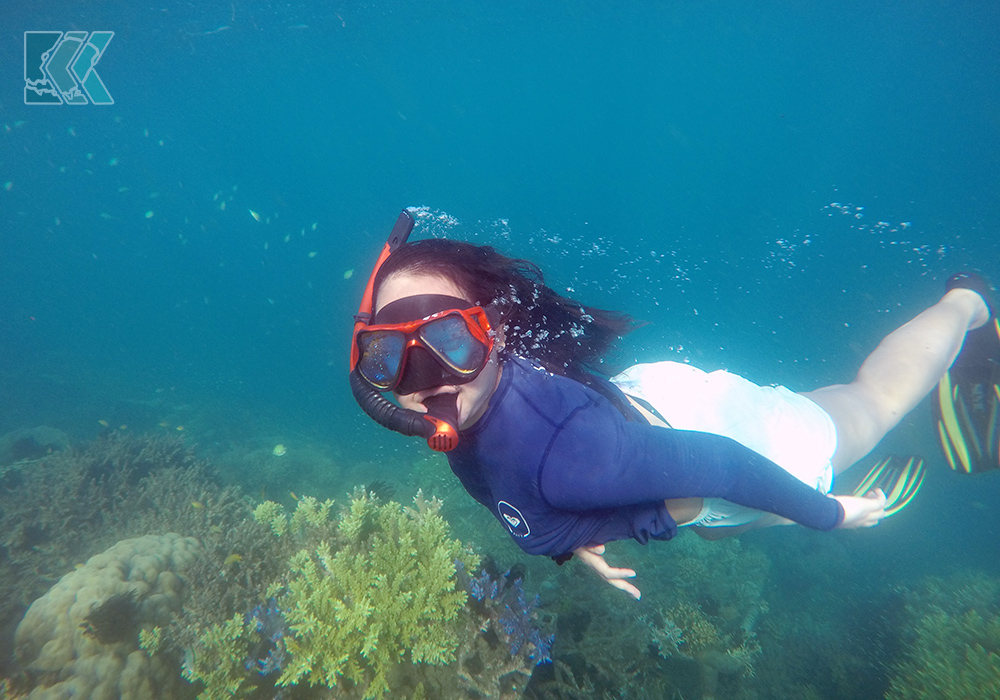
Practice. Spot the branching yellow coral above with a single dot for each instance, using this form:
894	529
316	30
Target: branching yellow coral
273	514
387	594
217	661
310	511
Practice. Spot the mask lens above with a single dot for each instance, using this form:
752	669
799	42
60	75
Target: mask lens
381	355
451	340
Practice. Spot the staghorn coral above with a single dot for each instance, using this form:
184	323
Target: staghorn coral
372	600
217	661
239	656
134	584
388	594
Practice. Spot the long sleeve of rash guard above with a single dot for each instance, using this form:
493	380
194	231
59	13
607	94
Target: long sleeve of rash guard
588	468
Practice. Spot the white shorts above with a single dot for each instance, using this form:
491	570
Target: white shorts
773	421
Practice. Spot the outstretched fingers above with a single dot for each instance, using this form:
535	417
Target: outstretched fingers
593	556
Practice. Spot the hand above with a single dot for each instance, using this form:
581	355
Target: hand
594	558
862	511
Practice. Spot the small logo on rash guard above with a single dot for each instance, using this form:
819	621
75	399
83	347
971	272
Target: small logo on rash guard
515	521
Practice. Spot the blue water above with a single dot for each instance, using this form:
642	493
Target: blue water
773	186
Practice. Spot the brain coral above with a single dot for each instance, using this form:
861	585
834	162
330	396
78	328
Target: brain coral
63	655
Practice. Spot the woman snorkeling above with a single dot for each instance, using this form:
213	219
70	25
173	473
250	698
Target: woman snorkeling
496	369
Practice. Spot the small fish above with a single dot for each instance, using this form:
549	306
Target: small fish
348	274
312	254
122	427
164	424
149	214
315	224
197	504
103	422
292	494
232	559
179	427
254	214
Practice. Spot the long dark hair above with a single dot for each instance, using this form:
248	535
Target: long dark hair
563	335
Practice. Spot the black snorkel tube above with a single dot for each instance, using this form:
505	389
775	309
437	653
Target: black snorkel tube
441	430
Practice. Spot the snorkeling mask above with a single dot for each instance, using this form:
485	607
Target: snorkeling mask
449	343
416	343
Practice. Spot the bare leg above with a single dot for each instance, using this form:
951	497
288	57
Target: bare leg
901	371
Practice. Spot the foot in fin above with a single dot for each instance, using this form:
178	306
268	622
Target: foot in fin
967	404
975	282
900	478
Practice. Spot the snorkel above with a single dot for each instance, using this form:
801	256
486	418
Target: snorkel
441	429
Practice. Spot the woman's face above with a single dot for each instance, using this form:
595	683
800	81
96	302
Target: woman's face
473	397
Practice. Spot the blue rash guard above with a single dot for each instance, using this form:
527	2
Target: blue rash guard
561	468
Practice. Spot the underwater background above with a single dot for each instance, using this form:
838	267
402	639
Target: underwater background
772	187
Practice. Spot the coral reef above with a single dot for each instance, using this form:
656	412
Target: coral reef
388	593
58	510
954	650
951	659
213	661
843	636
504	640
81	638
367	599
374	601
698	638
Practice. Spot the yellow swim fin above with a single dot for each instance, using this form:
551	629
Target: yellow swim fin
900	478
967	404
